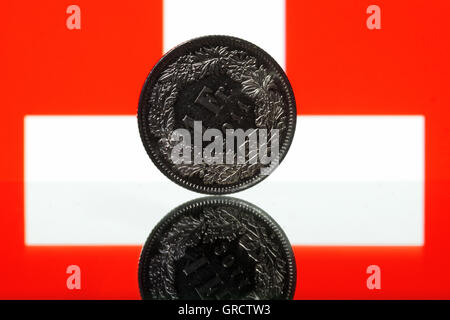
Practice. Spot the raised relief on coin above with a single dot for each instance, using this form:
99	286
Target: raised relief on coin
217	248
217	114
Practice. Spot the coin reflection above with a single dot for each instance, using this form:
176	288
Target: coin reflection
217	248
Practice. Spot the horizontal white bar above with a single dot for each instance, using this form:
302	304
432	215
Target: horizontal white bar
347	180
259	21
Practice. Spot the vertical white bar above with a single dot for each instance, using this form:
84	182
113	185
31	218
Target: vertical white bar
259	21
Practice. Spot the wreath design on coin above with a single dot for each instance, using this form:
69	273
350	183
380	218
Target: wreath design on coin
221	223
257	83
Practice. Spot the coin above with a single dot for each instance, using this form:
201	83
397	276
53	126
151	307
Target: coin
217	248
217	114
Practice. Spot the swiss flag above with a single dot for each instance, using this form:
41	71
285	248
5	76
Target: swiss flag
366	181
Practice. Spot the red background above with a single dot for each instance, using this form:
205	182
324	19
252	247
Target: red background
336	65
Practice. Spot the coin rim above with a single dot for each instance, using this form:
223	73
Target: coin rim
187	47
182	209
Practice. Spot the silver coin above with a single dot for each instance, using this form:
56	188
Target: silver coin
217	114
